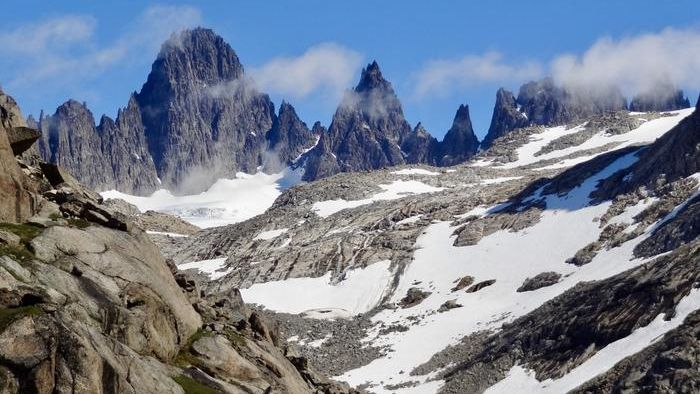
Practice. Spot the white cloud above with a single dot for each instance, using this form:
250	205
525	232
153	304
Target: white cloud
65	49
34	38
441	76
636	64
327	67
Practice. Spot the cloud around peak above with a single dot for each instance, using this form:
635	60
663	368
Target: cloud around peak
327	67
636	64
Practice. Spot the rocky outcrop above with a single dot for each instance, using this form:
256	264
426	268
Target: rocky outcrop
366	132
460	142
420	147
673	156
662	97
545	103
18	193
288	138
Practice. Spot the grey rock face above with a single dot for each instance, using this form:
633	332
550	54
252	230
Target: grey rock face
72	142
112	155
124	147
662	97
547	104
539	281
18	199
506	117
289	137
420	147
460	142
366	132
196	119
202	119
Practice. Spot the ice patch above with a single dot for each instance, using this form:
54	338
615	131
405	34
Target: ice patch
226	201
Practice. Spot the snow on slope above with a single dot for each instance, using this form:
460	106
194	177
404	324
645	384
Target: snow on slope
507	257
359	292
646	133
392	191
226	201
520	379
214	268
415	171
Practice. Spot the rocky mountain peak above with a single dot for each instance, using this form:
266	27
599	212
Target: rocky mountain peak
289	137
460	142
318	129
366	132
204	55
661	97
506	116
372	79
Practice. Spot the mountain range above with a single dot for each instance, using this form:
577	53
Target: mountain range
199	117
558	255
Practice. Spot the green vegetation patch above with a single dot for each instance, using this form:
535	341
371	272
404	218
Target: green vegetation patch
185	358
236	338
9	315
192	386
78	222
26	232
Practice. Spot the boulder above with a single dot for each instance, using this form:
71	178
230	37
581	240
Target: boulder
22	138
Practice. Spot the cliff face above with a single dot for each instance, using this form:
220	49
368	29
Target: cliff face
289	137
111	155
200	115
366	130
18	194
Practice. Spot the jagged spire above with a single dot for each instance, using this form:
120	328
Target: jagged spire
372	78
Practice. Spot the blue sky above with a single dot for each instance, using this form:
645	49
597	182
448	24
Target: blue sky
437	54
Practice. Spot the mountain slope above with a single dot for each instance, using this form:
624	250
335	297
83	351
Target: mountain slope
477	258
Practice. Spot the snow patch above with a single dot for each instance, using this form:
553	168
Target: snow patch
414	171
520	379
213	268
392	191
360	291
271	234
226	201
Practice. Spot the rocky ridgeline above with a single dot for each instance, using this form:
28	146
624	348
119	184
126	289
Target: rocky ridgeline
198	117
89	305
